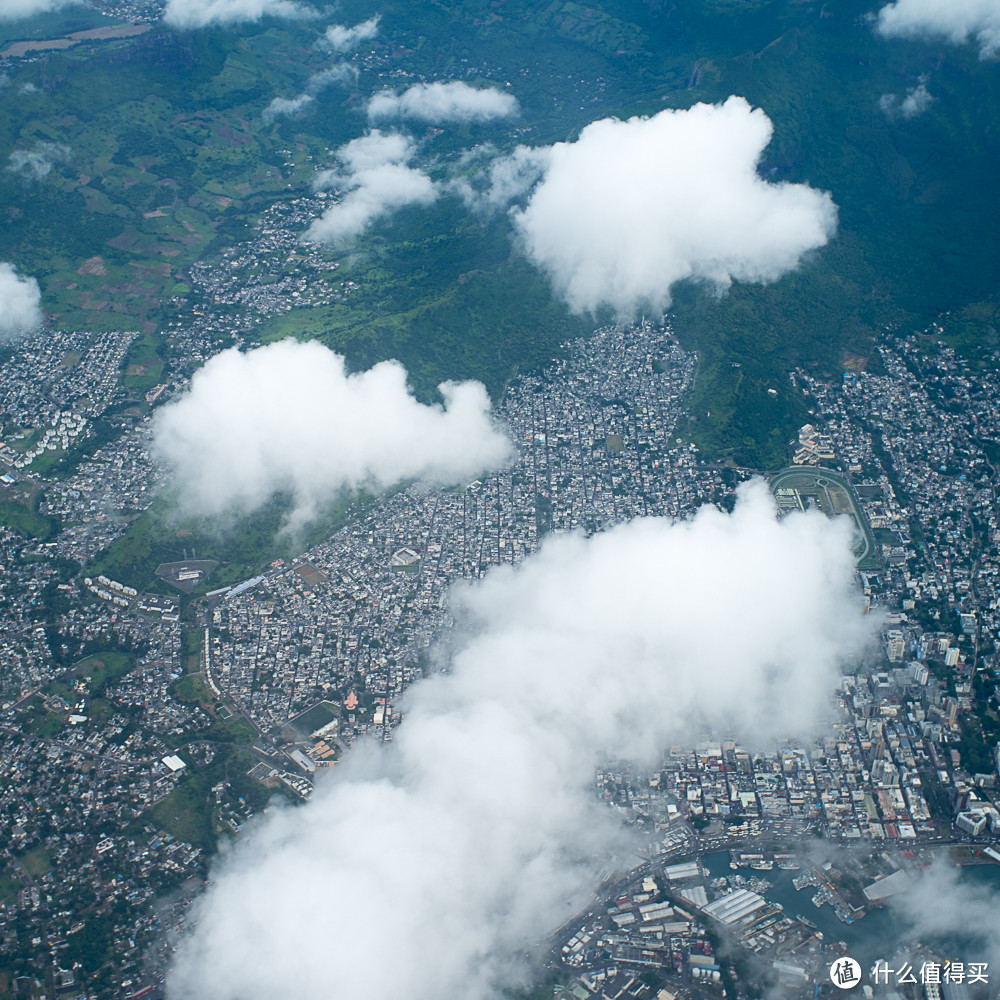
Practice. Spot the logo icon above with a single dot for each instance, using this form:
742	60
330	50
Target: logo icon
845	973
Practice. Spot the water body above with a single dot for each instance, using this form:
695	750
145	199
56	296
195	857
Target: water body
880	933
19	49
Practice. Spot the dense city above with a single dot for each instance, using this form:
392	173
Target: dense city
145	720
167	683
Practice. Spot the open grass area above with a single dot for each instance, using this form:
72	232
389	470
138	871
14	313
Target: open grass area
448	305
144	363
242	547
36	862
104	668
37	720
192	688
99	711
189	811
9	883
47	461
22	441
51	725
23	519
186	813
237	728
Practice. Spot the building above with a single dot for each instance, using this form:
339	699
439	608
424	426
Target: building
971	822
735	907
881	889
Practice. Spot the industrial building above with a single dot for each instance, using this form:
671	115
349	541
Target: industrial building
735	907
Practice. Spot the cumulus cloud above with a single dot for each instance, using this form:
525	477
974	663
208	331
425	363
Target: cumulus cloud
20	303
502	179
918	99
282	106
201	13
443	102
459	846
341	38
317	83
11	10
376	180
36	164
288	418
633	206
958	22
341	73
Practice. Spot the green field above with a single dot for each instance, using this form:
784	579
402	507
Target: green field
23	519
242	546
151	181
144	363
186	812
36	720
9	883
235	728
36	862
189	812
104	668
192	688
316	717
22	444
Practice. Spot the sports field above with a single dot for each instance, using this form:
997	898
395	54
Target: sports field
820	489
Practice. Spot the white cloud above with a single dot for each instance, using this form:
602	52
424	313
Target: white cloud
316	84
939	904
281	106
376	181
342	38
36	164
633	206
375	150
918	99
201	13
458	847
959	21
504	179
341	73
288	418
20	303
443	102
11	10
